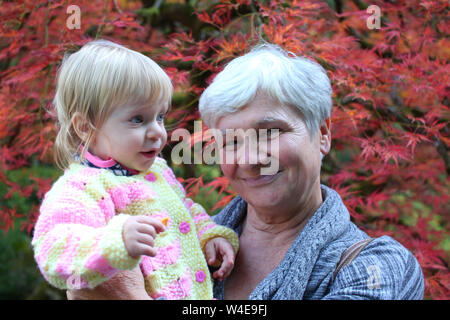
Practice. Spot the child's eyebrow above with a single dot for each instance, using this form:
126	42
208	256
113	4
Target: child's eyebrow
132	110
168	108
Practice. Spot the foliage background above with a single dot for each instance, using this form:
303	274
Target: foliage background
390	155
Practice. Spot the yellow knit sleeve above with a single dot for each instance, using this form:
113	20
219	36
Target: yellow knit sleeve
207	229
112	246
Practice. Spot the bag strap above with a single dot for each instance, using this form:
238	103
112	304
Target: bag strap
350	254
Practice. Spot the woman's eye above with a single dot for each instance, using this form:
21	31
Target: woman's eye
137	119
273	133
231	144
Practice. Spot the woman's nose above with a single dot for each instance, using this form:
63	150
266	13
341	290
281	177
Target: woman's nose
251	155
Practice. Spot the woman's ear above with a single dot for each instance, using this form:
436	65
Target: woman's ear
81	126
325	137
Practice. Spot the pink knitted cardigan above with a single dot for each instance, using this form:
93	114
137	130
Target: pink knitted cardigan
78	235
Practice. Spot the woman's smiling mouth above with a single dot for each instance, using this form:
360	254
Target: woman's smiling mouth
261	179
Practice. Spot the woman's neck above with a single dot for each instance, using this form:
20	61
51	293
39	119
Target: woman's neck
281	224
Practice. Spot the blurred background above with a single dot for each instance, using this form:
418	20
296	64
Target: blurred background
387	60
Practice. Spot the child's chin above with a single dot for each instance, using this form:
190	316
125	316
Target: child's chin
146	166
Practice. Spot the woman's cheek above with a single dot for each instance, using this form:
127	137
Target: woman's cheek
227	170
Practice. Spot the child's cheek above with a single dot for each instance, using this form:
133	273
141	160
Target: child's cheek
164	139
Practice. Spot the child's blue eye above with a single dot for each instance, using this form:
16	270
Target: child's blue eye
160	117
137	119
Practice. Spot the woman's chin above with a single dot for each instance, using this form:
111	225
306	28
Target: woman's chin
262	194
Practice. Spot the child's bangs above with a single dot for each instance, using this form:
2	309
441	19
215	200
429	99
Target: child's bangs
143	82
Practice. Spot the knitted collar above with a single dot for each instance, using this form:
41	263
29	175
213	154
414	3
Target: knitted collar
289	279
110	164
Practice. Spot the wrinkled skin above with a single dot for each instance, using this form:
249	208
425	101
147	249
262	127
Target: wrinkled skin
125	285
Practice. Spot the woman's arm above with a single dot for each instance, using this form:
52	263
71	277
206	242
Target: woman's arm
125	285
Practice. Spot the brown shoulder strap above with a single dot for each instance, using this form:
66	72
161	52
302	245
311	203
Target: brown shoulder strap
350	254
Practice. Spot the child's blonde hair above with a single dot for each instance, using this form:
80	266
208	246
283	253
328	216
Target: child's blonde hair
95	80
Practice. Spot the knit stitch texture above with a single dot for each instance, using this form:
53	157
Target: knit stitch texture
383	270
78	236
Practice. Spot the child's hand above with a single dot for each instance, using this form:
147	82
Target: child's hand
219	252
138	234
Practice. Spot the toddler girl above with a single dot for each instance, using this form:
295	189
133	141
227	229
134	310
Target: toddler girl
118	204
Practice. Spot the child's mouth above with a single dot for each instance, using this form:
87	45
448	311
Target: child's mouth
149	154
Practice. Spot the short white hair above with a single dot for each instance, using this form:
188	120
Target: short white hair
287	78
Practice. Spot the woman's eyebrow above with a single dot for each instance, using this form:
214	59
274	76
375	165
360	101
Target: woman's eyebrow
265	122
269	121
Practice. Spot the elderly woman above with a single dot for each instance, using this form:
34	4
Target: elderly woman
296	237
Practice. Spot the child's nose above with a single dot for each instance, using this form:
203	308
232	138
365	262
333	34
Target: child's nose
155	132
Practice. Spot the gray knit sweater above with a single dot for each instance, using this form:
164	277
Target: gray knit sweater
383	270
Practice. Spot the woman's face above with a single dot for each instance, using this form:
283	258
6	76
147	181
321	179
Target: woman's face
296	183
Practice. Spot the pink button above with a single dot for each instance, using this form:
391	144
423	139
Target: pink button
184	227
200	276
150	177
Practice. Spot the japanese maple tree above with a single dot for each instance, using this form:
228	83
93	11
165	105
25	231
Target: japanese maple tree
390	151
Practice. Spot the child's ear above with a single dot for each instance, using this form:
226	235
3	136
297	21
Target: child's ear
81	126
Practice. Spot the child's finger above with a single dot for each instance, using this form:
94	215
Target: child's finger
210	253
146	239
223	272
146	250
147	229
158	225
220	274
227	254
228	269
226	265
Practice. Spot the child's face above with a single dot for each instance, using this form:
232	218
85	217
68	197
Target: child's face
132	135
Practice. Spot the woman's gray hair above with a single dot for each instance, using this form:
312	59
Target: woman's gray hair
288	79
